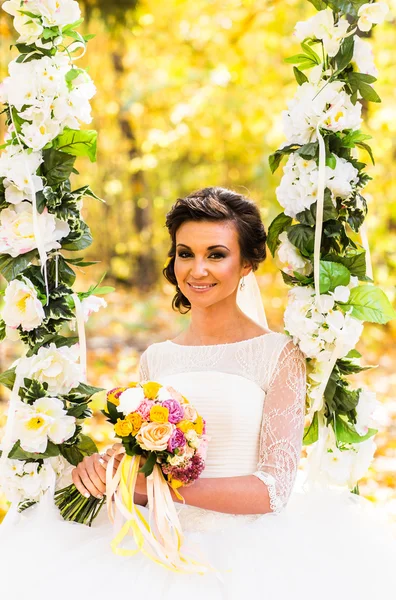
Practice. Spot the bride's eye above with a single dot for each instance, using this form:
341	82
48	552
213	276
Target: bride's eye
217	255
184	254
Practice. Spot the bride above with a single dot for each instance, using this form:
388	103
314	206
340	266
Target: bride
262	536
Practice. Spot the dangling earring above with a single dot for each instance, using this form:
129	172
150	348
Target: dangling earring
242	284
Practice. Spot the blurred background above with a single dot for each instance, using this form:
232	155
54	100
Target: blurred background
190	94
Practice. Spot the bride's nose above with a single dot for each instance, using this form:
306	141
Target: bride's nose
199	269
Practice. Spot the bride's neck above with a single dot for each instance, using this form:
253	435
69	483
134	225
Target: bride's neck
216	325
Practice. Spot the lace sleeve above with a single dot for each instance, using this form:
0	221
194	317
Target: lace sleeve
282	426
144	374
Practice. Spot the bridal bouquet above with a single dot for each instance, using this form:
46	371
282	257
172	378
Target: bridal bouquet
159	427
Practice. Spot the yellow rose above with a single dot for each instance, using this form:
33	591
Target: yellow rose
159	414
133	384
122	428
155	436
114	394
136	420
151	389
198	425
185	425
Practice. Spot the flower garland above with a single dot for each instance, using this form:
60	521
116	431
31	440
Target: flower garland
45	98
321	194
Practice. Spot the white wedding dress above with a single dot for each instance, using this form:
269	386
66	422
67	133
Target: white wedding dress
320	544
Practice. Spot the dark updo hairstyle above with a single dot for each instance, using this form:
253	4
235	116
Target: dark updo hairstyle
216	204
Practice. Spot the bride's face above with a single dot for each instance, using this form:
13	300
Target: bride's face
208	264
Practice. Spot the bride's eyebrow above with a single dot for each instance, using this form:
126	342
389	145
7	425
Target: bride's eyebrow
208	248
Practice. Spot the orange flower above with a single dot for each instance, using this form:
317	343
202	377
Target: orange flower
159	414
135	419
122	428
151	389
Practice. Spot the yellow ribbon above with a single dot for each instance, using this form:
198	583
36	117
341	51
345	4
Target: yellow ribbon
161	537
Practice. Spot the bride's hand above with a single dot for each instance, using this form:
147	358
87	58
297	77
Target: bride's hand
89	476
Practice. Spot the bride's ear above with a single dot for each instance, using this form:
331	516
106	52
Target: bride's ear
247	268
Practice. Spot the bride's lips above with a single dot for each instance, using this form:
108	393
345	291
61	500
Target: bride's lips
200	288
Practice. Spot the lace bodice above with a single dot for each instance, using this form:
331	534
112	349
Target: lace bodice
252	395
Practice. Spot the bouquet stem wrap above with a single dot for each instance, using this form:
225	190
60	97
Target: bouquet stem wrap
161	537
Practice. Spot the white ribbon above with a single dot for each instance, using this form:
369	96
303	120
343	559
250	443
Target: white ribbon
81	335
365	244
319	214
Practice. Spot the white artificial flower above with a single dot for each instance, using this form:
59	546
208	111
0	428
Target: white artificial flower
22	306
17	232
363	58
14	162
12	7
92	304
341	180
290	259
316	331
192	438
130	400
21	481
371	14
56	366
40	131
45	419
322	27
341	293
362	459
365	411
29	30
298	188
337	465
58	13
327	105
176	460
22	189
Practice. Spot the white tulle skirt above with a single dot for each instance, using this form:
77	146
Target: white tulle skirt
324	545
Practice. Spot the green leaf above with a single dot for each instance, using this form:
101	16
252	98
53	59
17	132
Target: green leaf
107	289
300	76
148	466
54	338
345	53
17	453
11	267
368	149
86	445
77	142
347	7
57	166
86	390
80	243
331	275
331	161
369	303
278	225
112	412
352	137
347	434
8	378
311	53
318	4
355	262
368	93
311	432
303	237
308	151
2	330
353	354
